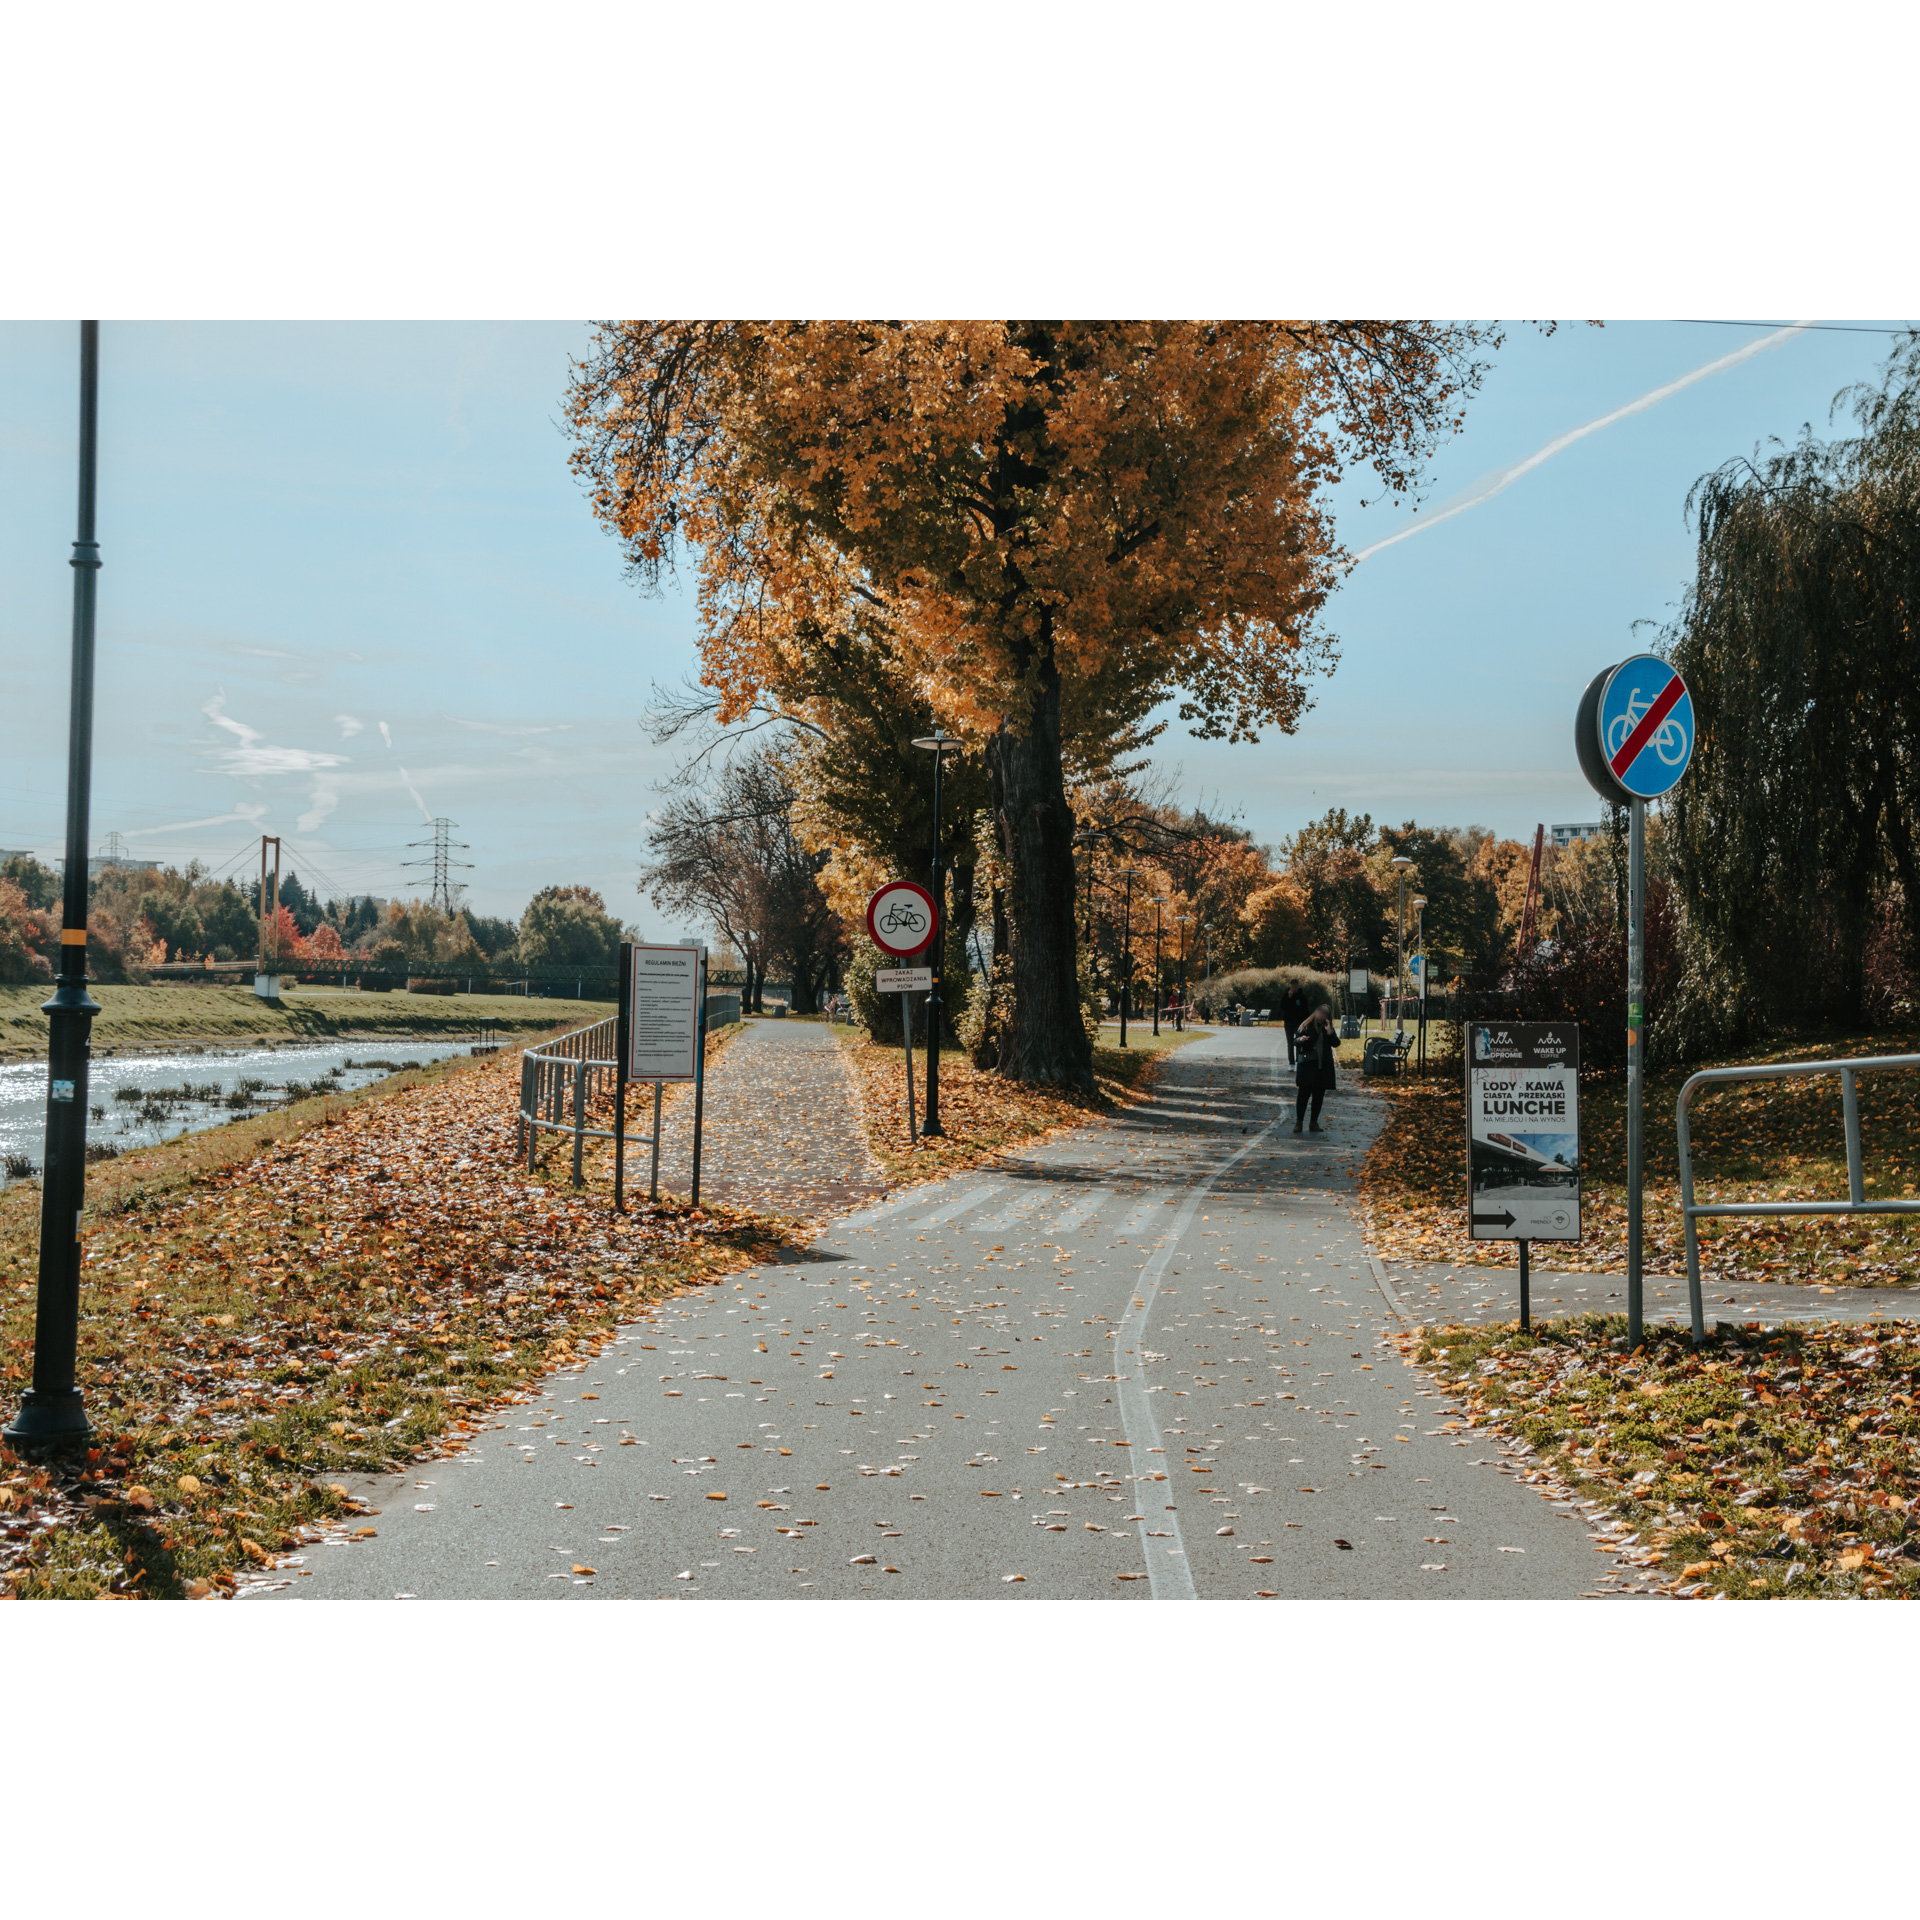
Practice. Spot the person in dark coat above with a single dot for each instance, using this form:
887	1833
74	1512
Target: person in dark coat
1314	1072
1293	1009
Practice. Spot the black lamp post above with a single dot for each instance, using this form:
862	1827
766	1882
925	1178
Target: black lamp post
1184	921
939	744
1159	986
1420	947
1126	955
50	1412
1086	838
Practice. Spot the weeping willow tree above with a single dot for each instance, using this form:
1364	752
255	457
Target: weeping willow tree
1793	834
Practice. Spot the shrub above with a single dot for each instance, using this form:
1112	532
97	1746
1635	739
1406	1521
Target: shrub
1263	988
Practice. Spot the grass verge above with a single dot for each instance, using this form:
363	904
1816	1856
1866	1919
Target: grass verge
151	1017
983	1114
329	1289
1762	1140
1772	1464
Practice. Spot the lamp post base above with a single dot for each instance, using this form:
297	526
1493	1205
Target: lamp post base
48	1420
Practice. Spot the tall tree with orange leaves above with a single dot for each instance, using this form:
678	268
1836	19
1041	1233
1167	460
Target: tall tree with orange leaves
1056	524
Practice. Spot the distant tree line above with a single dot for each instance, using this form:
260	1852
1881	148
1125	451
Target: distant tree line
139	919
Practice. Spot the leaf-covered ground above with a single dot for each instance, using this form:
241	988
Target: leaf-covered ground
1759	1140
1766	1465
347	1288
983	1114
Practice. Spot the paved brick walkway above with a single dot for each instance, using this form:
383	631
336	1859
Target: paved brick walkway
782	1131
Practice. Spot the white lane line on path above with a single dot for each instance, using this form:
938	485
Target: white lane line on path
885	1209
1081	1211
1169	1576
1015	1211
1141	1214
940	1215
1386	1288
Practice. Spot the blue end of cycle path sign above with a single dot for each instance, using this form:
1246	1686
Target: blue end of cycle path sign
1644	720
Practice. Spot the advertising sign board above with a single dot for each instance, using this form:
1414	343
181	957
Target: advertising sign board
1523	1131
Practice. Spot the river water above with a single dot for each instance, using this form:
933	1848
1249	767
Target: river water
192	1089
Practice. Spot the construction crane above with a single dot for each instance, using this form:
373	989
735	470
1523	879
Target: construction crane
1524	950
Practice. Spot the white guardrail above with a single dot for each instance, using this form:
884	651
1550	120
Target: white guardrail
561	1079
1856	1200
564	1073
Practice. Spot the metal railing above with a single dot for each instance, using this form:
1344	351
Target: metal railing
566	1072
1856	1200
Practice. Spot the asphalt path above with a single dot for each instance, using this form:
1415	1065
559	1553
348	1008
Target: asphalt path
1435	1294
1145	1360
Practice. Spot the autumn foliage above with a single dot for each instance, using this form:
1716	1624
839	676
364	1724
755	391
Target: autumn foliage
1043	529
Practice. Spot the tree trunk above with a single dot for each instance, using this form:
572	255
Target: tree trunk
1046	1040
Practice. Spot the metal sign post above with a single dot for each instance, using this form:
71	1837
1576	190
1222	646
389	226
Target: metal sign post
620	1078
1634	736
699	1075
902	920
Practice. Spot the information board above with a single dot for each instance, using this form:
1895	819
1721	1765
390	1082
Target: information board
1523	1131
664	991
903	980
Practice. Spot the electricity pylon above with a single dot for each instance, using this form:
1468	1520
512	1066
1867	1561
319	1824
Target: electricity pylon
440	851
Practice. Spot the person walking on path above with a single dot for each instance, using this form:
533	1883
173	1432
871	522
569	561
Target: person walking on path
1313	1069
1293	1010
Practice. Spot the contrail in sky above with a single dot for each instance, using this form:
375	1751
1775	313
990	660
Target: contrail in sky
1499	482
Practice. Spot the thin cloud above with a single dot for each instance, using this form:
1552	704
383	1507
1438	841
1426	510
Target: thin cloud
386	734
1501	481
495	726
348	725
426	812
321	802
245	811
254	758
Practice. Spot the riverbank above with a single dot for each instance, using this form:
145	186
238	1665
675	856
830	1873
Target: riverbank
334	1288
143	1018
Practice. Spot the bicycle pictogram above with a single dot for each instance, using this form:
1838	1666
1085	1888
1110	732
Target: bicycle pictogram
1669	737
901	918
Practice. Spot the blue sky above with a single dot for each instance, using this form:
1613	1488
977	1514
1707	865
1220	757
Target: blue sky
350	583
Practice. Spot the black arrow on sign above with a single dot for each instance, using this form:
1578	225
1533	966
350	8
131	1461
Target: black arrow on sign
1493	1219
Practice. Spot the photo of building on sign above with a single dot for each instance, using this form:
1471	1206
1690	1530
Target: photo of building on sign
1523	1132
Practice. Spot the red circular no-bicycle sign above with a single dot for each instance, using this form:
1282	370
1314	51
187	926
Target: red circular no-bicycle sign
901	918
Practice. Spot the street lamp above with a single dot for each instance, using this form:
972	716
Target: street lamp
1401	864
1126	952
1085	838
1159	901
1206	927
50	1410
1420	947
1183	921
940	743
